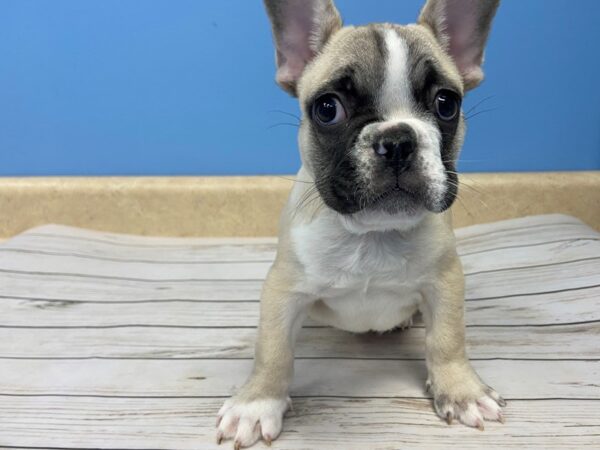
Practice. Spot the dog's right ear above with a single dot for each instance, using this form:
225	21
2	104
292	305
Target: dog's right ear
300	30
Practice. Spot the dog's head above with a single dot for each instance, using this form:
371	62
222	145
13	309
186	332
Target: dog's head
382	124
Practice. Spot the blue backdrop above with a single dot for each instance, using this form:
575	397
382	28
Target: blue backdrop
115	87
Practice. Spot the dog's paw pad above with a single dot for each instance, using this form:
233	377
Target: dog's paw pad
247	421
471	412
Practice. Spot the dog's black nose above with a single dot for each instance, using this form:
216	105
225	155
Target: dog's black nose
397	146
394	150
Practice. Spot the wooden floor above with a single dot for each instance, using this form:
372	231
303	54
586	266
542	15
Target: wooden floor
124	342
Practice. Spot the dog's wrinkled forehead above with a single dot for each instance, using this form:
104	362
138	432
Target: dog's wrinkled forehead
388	63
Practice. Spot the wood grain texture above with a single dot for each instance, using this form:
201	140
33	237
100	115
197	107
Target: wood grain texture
224	343
313	377
543	309
116	341
316	423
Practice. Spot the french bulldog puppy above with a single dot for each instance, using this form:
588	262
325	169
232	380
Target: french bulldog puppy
366	237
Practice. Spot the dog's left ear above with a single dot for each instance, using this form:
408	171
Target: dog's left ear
462	28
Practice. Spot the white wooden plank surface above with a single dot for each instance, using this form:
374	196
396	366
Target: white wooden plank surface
62	246
314	377
582	254
115	341
538	310
26	285
150	342
316	423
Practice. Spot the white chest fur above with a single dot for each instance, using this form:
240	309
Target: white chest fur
367	281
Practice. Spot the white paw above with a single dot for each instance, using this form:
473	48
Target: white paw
247	421
470	410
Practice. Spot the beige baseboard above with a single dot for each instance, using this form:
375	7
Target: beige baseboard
250	206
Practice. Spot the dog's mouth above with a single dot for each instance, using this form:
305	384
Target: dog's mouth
399	190
394	195
395	200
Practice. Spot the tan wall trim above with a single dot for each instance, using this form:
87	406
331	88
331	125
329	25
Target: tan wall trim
250	206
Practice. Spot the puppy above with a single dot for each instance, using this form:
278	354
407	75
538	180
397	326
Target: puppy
366	237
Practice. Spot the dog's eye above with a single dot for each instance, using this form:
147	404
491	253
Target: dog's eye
328	110
446	105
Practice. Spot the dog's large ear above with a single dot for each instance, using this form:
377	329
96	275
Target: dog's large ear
462	28
300	29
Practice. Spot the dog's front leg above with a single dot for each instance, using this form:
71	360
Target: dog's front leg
457	390
258	408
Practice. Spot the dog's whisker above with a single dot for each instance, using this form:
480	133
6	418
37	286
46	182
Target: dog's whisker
478	104
475	114
286	113
460	161
476	197
282	124
472	188
465	182
294	179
